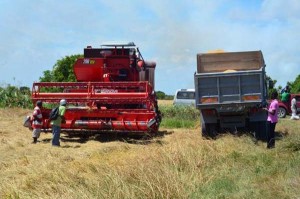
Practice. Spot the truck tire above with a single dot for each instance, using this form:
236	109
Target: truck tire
204	131
259	130
210	131
281	112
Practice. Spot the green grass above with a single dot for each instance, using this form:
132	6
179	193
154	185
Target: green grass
179	116
177	165
178	123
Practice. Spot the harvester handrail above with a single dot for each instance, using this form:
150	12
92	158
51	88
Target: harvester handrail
92	91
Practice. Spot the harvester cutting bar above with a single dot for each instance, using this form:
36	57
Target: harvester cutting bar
102	120
128	121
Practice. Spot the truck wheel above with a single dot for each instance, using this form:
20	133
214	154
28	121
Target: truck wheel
204	132
281	112
209	131
260	130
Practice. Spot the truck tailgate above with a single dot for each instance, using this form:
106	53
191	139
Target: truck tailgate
228	88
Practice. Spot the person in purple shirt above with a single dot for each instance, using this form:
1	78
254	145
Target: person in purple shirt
272	120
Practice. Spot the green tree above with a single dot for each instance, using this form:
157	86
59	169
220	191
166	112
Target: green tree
12	96
62	71
160	95
295	86
47	76
271	90
25	90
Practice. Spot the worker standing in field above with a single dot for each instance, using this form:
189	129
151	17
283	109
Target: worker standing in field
294	109
37	121
56	124
272	120
285	96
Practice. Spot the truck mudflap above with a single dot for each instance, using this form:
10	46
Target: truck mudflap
210	130
259	130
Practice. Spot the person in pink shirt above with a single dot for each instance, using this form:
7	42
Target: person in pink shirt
272	120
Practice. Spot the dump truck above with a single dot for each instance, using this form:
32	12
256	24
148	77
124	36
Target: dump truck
231	91
114	92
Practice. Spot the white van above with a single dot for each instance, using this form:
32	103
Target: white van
184	97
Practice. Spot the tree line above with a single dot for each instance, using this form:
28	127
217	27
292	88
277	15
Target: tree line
62	71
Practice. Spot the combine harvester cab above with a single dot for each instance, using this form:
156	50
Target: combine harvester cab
114	92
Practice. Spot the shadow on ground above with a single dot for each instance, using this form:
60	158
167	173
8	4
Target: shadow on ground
278	135
111	137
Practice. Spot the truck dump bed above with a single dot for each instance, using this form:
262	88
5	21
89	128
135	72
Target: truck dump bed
230	78
229	61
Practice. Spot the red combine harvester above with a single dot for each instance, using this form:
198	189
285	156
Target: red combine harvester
114	92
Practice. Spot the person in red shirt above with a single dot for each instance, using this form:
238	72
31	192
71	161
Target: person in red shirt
37	121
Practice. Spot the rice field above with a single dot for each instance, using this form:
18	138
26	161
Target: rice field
176	164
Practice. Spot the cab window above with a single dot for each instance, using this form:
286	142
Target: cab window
185	95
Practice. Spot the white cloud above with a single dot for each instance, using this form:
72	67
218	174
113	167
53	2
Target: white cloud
36	34
282	10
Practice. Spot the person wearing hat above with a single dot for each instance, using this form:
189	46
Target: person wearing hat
37	121
56	124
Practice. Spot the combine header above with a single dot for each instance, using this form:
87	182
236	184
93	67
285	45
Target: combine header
114	92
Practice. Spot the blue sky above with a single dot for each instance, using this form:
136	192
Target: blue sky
36	33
